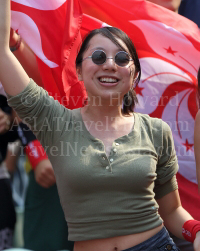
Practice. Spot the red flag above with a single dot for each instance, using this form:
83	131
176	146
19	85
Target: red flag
168	46
47	27
90	23
163	39
72	41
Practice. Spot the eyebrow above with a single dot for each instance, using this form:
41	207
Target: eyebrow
103	49
97	48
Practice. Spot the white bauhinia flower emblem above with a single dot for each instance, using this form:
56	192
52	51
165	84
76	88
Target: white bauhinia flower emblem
167	88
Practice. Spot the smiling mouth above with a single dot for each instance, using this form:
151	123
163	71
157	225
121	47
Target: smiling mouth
108	80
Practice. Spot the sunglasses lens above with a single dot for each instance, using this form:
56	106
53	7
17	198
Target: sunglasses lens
99	57
122	58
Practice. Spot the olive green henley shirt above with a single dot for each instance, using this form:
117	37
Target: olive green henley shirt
102	196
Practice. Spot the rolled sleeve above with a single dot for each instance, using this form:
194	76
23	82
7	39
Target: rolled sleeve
167	166
40	112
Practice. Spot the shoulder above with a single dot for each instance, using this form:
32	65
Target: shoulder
155	124
198	117
197	126
158	130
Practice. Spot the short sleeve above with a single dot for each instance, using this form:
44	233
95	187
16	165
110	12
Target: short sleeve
167	165
40	112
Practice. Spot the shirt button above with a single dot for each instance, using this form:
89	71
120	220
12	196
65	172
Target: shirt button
111	160
107	167
117	144
114	150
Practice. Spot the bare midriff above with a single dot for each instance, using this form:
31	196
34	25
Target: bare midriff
118	243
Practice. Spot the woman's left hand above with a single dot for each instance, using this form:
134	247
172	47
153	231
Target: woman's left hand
14	37
197	242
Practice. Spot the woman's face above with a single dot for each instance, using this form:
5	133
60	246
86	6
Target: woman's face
107	80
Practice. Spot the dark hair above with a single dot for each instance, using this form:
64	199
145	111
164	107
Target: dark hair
130	98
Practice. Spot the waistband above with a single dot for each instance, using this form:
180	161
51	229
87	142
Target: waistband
155	242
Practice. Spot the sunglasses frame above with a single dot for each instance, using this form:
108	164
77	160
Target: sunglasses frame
130	59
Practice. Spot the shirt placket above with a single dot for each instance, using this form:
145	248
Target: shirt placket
113	155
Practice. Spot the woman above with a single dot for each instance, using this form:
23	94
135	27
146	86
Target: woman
108	161
197	134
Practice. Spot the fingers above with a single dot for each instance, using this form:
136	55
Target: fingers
45	176
14	37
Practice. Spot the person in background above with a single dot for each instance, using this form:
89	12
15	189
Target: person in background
191	10
197	134
43	216
124	165
7	210
15	161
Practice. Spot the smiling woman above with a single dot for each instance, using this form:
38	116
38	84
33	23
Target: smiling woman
114	168
125	57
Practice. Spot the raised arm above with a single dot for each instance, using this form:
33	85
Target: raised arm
12	75
26	57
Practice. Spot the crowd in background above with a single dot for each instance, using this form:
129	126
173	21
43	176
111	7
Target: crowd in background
26	176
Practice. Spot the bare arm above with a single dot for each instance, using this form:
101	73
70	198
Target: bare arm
197	146
173	214
26	57
12	75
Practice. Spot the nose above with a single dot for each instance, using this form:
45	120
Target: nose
110	64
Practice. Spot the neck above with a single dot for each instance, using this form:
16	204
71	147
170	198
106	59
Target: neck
101	112
100	109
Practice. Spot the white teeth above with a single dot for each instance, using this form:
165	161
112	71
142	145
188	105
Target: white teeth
108	80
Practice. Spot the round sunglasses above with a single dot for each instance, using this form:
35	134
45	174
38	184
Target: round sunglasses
99	57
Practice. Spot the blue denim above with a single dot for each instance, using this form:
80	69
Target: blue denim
159	242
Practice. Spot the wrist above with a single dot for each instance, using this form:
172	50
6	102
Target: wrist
198	234
190	230
35	153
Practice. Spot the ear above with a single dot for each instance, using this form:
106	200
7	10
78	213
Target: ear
136	75
79	74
